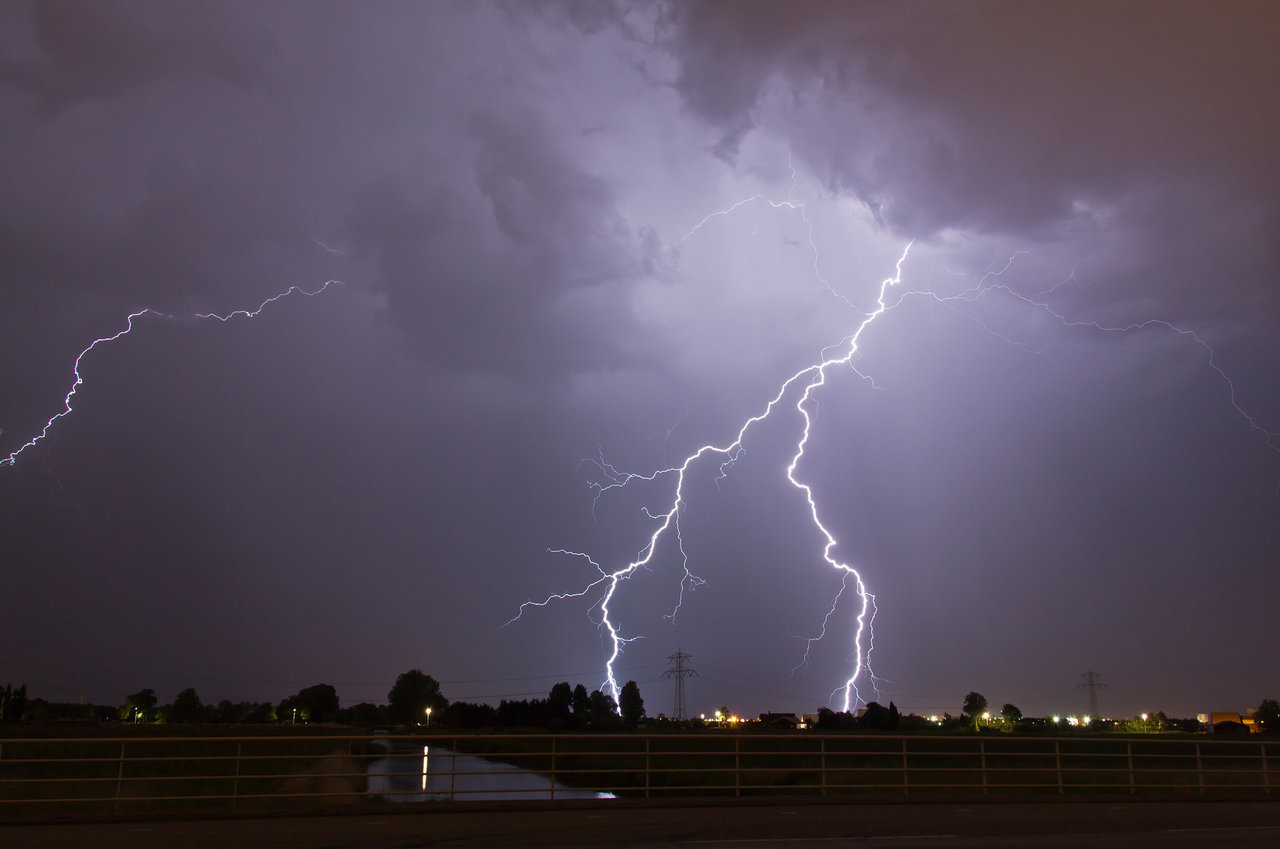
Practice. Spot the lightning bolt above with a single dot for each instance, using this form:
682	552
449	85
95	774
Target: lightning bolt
130	323
803	386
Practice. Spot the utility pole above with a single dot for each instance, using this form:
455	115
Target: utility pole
1092	681
679	672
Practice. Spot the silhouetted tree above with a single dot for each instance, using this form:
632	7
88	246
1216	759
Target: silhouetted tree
364	714
39	710
604	710
975	704
581	705
468	715
414	692
527	713
1011	714
630	704
260	712
877	717
13	703
140	706
1269	715
317	703
560	703
187	708
829	720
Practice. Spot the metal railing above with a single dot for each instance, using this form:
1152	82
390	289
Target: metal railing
131	773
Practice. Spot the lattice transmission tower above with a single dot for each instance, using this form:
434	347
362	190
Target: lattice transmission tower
679	671
1092	681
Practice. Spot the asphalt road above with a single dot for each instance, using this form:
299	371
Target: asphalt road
759	825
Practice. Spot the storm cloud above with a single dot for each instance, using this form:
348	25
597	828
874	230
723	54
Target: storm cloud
1053	453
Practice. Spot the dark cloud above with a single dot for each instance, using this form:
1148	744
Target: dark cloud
481	280
523	204
94	51
1008	118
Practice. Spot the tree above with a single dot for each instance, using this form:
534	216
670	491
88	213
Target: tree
187	707
13	703
560	702
1269	715
139	707
829	720
581	704
364	714
317	703
604	710
414	692
975	704
470	715
1011	714
630	704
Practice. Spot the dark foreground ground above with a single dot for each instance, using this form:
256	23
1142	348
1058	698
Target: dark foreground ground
760	825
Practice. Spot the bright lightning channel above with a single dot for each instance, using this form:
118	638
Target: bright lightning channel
130	320
805	382
812	378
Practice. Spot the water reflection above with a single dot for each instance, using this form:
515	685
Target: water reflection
442	774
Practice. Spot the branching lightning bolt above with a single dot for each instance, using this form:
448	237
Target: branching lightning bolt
130	320
804	384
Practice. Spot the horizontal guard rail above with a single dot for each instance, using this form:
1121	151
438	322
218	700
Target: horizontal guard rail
162	772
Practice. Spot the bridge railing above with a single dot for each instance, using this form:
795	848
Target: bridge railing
140	773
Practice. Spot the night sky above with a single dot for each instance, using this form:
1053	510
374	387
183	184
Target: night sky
1058	450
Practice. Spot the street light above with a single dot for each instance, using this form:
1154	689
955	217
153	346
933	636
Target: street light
428	717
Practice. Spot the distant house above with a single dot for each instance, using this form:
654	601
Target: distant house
786	721
1230	723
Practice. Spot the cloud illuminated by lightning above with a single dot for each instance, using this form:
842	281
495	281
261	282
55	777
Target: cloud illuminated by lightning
802	386
130	320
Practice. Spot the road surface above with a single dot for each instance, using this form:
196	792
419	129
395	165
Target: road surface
756	825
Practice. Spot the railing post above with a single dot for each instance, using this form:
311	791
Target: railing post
737	768
1199	768
1057	763
822	763
453	766
1128	751
235	784
120	775
982	753
905	783
553	768
647	740
1266	779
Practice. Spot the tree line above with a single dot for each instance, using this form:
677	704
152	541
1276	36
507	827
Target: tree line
415	699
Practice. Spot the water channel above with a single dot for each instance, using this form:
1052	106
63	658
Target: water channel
412	772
